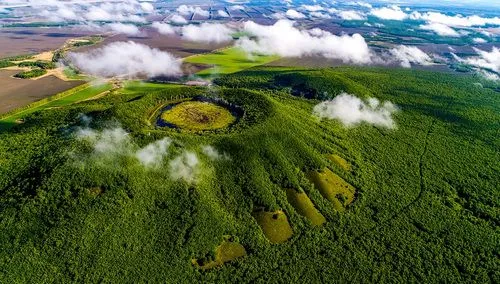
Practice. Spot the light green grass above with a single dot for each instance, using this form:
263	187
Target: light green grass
333	188
62	99
198	116
304	206
274	225
141	87
229	60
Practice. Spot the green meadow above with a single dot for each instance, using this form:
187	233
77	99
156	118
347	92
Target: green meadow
228	60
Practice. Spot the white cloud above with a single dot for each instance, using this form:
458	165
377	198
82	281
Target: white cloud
236	8
185	167
222	13
188	10
126	59
207	32
116	11
153	154
360	3
127	29
479	40
293	14
389	13
163	28
178	19
489	76
147	7
285	40
278	16
319	15
312	8
485	60
107	143
351	15
440	29
410	54
455	21
352	111
213	154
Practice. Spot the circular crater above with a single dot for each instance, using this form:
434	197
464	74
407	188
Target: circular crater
199	114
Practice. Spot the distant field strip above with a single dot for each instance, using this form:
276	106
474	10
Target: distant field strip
71	96
228	60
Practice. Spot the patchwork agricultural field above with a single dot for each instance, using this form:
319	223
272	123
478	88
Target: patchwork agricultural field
228	60
96	191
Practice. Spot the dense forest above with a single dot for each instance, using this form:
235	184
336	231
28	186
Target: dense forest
78	203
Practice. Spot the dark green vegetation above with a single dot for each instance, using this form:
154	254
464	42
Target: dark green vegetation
6	63
9	61
31	73
426	206
38	64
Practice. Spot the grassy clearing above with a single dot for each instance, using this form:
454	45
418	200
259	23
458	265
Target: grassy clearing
304	206
197	116
141	87
74	95
339	161
227	61
333	188
274	225
227	251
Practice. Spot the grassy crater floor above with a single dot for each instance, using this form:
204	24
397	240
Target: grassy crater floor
425	208
197	115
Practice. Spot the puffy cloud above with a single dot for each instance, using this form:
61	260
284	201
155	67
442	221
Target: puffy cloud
163	28
207	32
320	15
352	111
213	154
351	15
410	54
360	3
489	76
222	13
236	8
440	29
188	10
127	29
114	143
126	59
485	60
312	8
455	21
278	16
147	7
479	40
116	11
178	19
285	40
185	167
153	154
293	14
107	143
389	13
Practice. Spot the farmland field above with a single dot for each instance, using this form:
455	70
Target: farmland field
16	93
228	60
59	100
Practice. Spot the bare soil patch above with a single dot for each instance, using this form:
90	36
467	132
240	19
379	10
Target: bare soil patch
16	93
